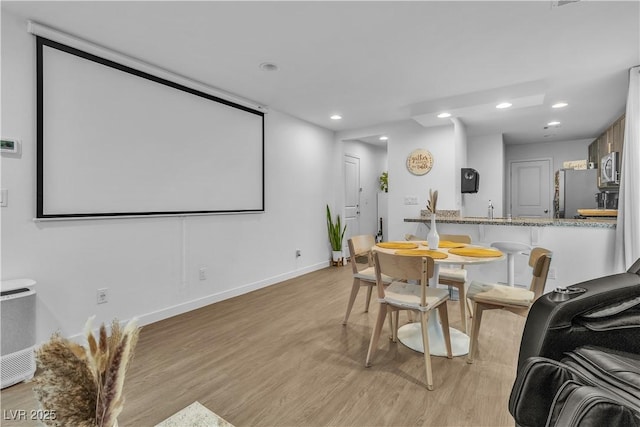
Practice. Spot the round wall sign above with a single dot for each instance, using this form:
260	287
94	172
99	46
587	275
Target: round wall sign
419	162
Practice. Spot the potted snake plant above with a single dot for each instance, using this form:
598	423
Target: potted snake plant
336	234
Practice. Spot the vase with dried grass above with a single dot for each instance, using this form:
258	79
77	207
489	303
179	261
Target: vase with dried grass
83	386
433	238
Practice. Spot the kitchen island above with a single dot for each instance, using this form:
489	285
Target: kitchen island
582	248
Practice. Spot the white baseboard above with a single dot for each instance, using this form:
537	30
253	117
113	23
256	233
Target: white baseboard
184	307
197	303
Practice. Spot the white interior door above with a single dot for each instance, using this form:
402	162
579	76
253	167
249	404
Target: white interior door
351	197
531	188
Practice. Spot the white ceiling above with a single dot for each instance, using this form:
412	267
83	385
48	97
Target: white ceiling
384	61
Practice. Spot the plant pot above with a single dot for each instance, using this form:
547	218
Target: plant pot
336	256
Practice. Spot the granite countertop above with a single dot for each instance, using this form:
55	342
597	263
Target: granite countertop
528	222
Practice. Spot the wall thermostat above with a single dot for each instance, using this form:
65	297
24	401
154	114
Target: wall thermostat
9	145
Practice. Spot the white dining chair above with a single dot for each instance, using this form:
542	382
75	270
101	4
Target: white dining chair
490	296
401	295
363	275
456	277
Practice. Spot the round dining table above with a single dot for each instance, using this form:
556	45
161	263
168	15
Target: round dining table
411	333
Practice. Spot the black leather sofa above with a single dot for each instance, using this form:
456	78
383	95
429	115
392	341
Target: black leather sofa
598	318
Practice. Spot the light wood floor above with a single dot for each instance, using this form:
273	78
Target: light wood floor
281	357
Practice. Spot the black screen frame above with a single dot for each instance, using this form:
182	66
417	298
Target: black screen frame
41	42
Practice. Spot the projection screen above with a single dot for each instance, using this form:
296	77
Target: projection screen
115	141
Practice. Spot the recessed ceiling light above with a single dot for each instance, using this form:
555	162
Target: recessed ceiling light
553	123
268	66
503	105
336	117
559	105
444	115
384	138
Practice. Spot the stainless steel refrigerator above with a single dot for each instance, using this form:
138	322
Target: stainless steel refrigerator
575	189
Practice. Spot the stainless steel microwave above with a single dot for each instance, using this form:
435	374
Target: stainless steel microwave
609	169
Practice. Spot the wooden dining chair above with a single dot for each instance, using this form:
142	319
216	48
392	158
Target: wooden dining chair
455	277
490	296
401	295
360	247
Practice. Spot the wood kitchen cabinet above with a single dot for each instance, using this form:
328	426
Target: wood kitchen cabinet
593	154
610	140
618	135
603	146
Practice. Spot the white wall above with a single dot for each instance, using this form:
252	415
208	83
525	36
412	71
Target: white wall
452	150
490	157
151	265
486	155
460	154
404	137
442	177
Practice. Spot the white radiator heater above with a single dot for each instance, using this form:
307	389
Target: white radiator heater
18	331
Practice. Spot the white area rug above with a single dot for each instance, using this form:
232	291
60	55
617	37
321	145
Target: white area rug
195	415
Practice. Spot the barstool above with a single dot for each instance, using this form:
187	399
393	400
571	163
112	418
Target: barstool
511	249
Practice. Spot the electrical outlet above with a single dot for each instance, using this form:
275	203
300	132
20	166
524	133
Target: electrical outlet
203	273
298	253
410	200
552	273
102	296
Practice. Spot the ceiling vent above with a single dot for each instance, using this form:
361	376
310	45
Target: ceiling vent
558	3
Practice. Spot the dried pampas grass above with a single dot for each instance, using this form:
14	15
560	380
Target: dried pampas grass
84	385
433	201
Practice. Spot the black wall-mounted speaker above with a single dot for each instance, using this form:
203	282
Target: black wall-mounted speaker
470	180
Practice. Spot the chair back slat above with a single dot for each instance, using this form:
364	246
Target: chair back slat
360	246
539	261
403	268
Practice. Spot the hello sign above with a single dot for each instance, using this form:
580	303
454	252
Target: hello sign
419	162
